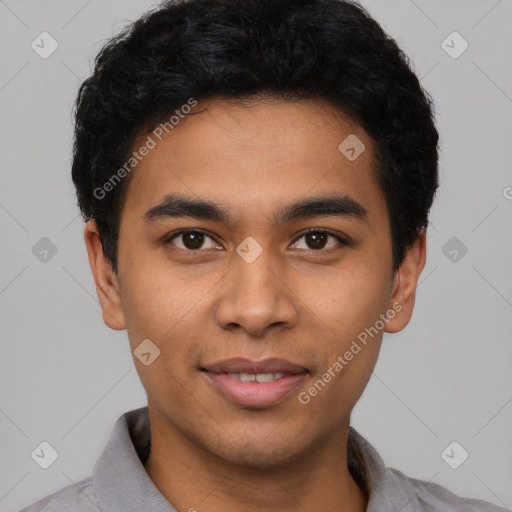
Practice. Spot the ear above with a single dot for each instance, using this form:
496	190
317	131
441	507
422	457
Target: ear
405	284
107	284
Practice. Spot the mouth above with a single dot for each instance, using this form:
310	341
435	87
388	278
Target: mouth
255	385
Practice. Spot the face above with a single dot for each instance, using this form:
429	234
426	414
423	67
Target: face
249	284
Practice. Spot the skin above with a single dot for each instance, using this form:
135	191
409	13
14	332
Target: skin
295	302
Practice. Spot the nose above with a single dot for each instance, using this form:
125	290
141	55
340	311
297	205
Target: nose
257	297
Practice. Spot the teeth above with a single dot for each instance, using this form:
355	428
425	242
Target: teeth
265	377
256	377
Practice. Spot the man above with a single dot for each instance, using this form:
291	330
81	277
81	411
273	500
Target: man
256	177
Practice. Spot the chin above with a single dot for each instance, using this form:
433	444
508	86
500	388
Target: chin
262	455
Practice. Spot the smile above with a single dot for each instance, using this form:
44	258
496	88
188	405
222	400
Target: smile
256	377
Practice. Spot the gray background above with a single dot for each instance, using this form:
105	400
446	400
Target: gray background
66	377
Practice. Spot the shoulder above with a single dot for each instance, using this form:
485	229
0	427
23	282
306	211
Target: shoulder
429	497
75	497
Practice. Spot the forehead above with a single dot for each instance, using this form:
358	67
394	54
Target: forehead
256	157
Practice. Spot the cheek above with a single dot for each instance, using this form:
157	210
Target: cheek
156	301
352	304
172	310
347	299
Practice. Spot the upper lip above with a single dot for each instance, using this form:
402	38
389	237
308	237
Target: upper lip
242	365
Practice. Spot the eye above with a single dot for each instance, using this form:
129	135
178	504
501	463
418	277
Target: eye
191	240
317	239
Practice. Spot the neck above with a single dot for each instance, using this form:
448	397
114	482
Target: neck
193	479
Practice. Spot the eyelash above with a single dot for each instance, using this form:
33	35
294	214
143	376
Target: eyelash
171	237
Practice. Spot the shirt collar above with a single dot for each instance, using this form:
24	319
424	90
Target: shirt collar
387	493
119	478
121	482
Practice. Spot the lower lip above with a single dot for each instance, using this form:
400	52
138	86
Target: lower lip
254	394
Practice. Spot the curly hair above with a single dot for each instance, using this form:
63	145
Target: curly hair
330	50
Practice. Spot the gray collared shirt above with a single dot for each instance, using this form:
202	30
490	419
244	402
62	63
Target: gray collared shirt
119	482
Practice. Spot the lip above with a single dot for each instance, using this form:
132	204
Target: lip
255	395
242	365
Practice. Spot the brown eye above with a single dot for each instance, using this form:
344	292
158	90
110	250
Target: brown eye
191	240
317	239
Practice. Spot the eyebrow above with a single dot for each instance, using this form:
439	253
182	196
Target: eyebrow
174	206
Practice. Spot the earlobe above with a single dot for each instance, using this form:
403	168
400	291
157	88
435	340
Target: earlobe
405	284
107	284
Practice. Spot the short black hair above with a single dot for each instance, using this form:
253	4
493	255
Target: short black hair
330	50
